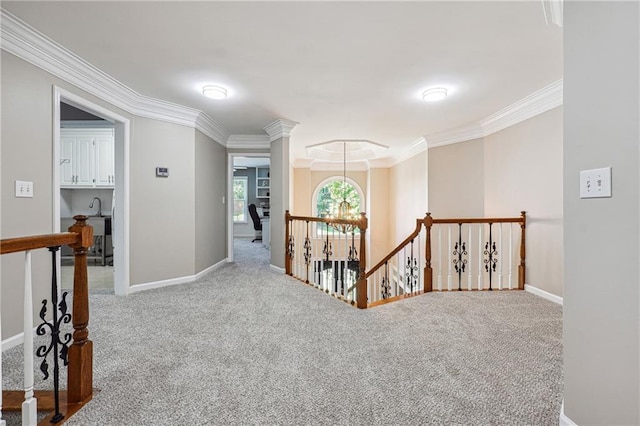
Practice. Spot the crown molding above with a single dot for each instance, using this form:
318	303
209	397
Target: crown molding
459	134
325	166
211	128
248	141
416	148
281	128
536	103
27	43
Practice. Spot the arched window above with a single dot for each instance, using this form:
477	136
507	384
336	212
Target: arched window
332	191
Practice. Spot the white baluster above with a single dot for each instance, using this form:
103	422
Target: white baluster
449	276
29	406
469	279
480	256
510	254
440	258
500	258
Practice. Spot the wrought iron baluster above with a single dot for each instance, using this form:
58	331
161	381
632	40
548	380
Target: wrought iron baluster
490	251
411	271
57	345
307	251
386	285
459	251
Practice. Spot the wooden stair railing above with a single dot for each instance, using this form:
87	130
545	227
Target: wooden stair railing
80	353
328	254
406	271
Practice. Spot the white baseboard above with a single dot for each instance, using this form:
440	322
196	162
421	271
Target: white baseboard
277	269
564	420
544	294
13	341
210	268
174	281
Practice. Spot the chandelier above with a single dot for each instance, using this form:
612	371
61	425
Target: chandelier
345	211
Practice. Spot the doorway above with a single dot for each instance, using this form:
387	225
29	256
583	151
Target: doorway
95	184
249	184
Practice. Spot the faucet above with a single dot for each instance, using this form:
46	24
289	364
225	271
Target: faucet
99	205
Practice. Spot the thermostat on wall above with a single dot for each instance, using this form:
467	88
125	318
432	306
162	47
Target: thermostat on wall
162	171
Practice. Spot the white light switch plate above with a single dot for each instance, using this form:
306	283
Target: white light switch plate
24	189
595	183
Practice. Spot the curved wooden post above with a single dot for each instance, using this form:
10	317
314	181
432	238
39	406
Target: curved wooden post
428	271
80	370
522	266
287	252
361	286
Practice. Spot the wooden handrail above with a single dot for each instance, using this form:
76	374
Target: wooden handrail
80	354
15	245
414	234
481	220
355	222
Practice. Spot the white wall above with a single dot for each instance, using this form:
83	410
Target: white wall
601	238
523	171
408	188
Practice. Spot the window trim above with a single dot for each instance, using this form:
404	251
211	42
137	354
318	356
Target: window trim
314	197
246	199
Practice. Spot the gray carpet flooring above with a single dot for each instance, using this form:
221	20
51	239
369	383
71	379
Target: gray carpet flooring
246	345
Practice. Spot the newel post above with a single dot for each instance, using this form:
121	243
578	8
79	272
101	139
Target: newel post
522	266
361	285
80	370
288	246
428	271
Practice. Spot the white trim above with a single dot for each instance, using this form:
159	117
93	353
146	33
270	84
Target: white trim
174	281
281	128
211	268
86	124
122	142
15	340
27	43
248	142
230	228
543	100
416	148
459	134
314	196
277	269
564	420
544	294
352	166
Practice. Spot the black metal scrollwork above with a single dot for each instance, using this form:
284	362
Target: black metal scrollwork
411	271
491	253
291	246
59	346
307	251
459	251
385	285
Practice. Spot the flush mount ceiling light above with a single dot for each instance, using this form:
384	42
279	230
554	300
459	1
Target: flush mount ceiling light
214	92
435	94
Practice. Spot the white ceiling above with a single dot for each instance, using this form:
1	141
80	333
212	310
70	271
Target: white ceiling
343	70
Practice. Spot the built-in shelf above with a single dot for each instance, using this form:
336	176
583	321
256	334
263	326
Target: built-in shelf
263	182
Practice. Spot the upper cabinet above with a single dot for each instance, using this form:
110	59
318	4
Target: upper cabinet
263	184
87	158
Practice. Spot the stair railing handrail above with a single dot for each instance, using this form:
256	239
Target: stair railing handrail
80	354
412	236
522	220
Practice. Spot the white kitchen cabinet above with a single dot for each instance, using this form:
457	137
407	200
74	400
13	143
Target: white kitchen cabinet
104	164
87	158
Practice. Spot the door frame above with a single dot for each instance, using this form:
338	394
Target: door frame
120	220
230	159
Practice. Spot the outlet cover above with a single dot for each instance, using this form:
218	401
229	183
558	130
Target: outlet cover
595	183
24	189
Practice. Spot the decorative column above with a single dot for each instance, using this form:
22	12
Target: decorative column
279	132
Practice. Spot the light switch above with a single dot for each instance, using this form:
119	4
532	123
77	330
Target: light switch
24	189
595	183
